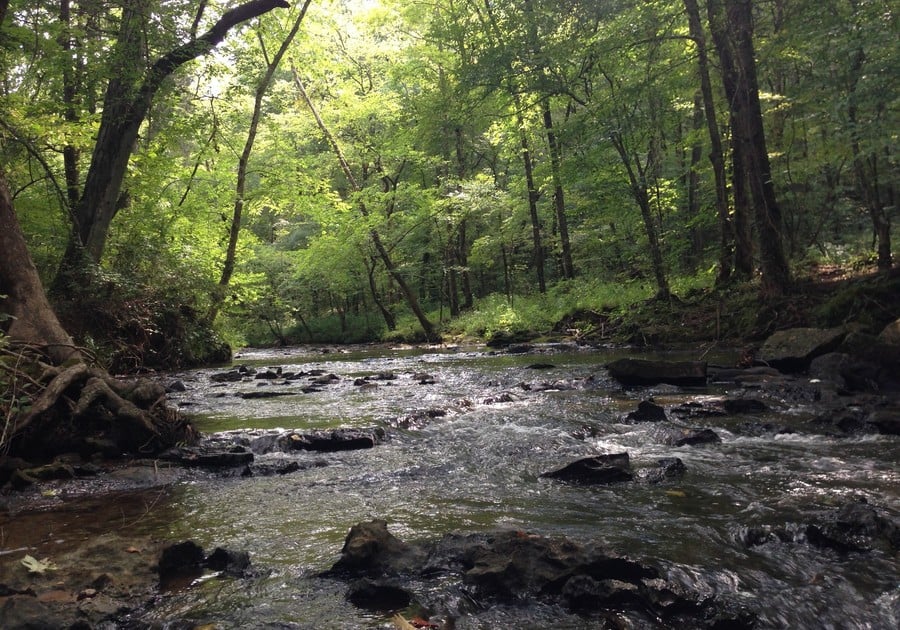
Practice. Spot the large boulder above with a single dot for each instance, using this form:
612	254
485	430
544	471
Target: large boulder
631	372
794	349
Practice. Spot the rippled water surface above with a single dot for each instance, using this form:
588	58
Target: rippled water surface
478	467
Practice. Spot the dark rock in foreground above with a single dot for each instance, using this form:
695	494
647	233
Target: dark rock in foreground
636	372
507	567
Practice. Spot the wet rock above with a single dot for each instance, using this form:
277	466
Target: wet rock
855	526
25	612
323	441
647	411
419	418
424	378
792	350
205	456
232	376
744	406
540	366
514	566
601	469
690	437
268	375
370	549
632	372
176	386
270	393
235	563
503	397
325	379
378	595
180	559
667	469
744	376
699	409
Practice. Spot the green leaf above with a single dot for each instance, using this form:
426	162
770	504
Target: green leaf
38	566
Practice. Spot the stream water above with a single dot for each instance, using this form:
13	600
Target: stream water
478	468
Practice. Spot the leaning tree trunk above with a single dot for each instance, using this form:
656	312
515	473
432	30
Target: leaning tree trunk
126	104
228	265
409	294
638	184
69	403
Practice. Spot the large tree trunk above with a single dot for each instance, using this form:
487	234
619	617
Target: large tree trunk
125	106
31	322
734	27
70	402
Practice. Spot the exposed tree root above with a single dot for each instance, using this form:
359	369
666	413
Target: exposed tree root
78	402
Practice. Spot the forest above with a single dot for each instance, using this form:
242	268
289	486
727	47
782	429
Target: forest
194	176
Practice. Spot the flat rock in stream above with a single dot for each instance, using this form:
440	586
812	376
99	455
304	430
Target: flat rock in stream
325	441
637	372
513	566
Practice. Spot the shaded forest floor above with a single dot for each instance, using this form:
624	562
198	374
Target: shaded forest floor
825	296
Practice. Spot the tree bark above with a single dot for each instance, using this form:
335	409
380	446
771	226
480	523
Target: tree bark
716	153
32	321
559	199
750	137
125	106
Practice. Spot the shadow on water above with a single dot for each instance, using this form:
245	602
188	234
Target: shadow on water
477	466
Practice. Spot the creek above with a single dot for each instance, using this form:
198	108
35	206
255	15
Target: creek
465	450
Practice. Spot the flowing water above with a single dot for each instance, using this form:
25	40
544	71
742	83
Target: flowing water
478	468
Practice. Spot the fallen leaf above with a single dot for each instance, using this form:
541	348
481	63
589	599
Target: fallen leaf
676	493
38	566
418	622
401	624
132	550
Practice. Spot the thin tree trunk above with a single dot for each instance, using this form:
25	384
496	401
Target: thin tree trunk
262	87
716	153
389	320
533	194
411	299
638	185
559	199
